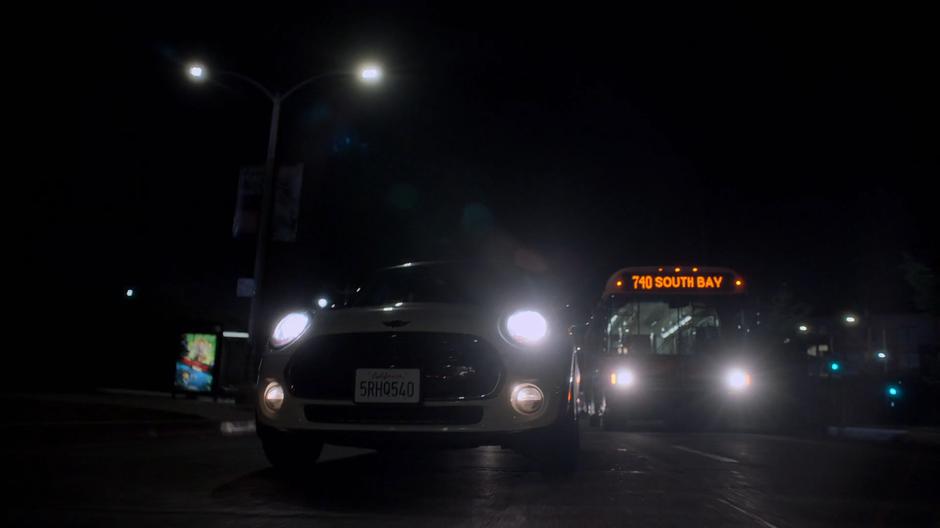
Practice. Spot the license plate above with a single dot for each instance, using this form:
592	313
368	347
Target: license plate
387	385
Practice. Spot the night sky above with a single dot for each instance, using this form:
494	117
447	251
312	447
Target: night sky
792	145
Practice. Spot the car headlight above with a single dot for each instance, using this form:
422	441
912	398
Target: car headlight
289	329
527	327
738	379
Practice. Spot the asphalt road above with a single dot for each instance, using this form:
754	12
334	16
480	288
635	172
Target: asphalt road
644	479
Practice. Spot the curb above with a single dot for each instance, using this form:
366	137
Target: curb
929	437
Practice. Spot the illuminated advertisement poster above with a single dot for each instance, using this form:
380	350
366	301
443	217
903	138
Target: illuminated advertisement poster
194	367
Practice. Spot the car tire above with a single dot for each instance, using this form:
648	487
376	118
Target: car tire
290	454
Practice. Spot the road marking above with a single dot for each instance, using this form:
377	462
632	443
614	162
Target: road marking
237	428
749	514
704	454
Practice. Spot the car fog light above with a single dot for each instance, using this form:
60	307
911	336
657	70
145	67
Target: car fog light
273	396
527	398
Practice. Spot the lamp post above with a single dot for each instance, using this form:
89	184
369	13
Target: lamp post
197	72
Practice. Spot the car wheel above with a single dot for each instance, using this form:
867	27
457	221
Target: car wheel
290	454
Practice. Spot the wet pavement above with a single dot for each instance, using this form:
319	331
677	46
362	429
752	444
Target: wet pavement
647	479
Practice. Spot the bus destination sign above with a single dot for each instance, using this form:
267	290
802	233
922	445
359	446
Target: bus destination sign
703	282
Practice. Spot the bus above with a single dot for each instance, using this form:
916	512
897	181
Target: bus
675	346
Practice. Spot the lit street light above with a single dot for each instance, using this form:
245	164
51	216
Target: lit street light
197	72
322	302
803	328
370	73
850	319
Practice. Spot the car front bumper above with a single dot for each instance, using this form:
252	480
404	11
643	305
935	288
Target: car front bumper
491	420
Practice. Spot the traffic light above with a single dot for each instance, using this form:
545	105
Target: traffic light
894	391
834	366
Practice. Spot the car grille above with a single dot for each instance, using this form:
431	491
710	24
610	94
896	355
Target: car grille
453	366
394	414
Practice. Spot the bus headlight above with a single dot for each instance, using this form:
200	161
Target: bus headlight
622	378
289	329
738	379
527	327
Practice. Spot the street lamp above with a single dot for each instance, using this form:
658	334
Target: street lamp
850	319
803	328
197	72
370	73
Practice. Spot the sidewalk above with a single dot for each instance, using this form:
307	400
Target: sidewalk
925	436
116	414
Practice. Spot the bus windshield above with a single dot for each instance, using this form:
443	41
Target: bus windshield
663	328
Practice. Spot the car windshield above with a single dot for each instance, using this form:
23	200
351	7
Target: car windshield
450	283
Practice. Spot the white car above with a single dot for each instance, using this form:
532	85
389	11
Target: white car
426	355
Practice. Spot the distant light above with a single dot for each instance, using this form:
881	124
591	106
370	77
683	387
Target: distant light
333	305
322	302
358	289
851	319
882	355
619	283
387	309
834	366
370	74
408	264
739	282
894	391
694	270
398	304
803	328
235	335
130	293
196	72
678	270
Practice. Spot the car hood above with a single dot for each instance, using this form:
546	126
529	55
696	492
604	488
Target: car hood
408	317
